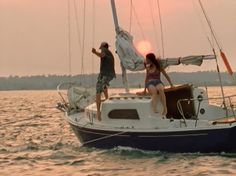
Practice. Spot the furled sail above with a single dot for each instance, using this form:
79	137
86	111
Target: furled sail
129	56
188	60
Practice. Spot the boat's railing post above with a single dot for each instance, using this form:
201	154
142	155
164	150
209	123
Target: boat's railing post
91	118
198	109
231	106
206	91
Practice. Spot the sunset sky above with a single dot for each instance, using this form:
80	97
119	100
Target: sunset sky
34	37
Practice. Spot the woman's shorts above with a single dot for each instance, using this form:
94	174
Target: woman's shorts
153	83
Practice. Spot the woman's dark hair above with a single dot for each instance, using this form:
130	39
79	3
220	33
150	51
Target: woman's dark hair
153	59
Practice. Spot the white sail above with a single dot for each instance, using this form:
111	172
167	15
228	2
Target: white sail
129	56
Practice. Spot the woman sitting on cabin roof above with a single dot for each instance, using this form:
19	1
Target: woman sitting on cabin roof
153	82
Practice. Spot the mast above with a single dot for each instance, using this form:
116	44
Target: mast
117	29
113	6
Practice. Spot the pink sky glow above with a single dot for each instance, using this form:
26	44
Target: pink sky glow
34	33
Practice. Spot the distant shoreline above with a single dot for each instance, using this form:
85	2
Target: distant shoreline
136	80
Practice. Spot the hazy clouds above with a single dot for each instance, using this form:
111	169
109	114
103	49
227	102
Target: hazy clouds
34	33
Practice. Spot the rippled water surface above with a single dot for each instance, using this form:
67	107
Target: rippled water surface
35	139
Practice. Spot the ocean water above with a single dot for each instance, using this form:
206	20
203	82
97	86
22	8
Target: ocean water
36	140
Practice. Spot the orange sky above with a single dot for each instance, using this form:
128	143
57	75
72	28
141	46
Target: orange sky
34	33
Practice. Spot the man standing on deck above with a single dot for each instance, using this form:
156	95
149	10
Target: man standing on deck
107	73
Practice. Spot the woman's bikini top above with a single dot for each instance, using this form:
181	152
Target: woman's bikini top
154	75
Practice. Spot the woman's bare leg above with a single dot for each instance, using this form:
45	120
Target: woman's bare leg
153	91
160	88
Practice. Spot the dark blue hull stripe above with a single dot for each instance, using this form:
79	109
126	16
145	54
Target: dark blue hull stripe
212	140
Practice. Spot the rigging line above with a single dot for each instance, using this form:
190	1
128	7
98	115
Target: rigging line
69	36
77	24
161	28
103	138
131	14
154	24
223	56
139	24
83	43
211	41
79	38
213	49
209	24
93	38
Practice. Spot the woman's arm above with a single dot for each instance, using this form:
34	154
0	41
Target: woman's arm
167	77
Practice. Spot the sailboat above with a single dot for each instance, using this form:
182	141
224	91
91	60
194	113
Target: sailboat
192	123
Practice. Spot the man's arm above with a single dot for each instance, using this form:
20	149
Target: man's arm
101	55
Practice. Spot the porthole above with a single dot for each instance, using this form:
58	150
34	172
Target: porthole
202	111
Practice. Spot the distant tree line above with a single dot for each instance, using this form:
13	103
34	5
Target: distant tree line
50	82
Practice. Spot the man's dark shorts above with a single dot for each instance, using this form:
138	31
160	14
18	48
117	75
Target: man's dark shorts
103	82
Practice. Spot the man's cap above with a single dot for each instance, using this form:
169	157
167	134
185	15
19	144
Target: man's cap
104	44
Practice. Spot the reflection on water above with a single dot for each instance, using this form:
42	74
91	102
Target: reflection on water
35	139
